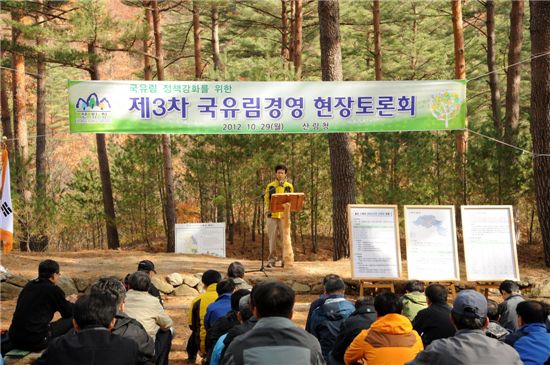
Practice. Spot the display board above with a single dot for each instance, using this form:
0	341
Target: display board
489	243
432	252
374	242
201	238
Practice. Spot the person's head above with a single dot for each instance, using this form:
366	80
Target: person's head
280	172
335	285
48	269
112	287
414	285
210	277
387	303
236	297
147	266
508	288
492	310
245	310
225	286
436	293
94	311
272	299
362	302
139	281
531	311
469	310
235	270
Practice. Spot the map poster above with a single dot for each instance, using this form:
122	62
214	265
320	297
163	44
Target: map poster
374	242
201	238
432	252
489	243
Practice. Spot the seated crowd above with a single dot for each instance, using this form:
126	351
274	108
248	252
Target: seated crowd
232	322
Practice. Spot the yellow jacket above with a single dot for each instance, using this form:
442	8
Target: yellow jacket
390	340
198	311
278	190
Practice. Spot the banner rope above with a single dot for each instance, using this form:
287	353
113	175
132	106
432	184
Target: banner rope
509	145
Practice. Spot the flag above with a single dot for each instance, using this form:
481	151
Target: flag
6	216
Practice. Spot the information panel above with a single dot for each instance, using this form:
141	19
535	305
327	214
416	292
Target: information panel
374	241
432	252
489	243
201	238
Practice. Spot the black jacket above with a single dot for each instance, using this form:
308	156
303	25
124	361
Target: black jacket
220	327
359	320
91	346
130	328
39	300
434	323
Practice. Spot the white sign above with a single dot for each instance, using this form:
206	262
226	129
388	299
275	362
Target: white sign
489	243
374	241
432	252
201	238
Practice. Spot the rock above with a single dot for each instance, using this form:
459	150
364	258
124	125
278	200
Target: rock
18	280
67	284
191	280
162	285
301	288
82	284
530	280
318	289
541	289
184	290
175	279
9	291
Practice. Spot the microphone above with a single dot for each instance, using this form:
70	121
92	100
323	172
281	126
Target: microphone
287	189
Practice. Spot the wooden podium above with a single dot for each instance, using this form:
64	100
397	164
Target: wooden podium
286	203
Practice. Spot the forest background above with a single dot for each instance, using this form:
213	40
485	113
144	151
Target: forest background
61	182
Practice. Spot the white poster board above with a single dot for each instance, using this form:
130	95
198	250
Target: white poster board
432	252
374	242
201	238
489	243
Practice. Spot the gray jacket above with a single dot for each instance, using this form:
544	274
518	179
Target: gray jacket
507	310
274	341
467	347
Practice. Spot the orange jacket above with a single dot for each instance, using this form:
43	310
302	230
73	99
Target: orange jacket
390	340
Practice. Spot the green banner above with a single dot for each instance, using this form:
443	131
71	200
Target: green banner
195	107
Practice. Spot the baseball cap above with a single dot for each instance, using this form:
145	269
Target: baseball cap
470	303
146	265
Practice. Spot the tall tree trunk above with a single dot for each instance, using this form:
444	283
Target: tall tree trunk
540	115
170	203
292	28
284	31
147	67
113	242
197	38
341	160
298	41
216	38
377	40
460	74
40	187
7	130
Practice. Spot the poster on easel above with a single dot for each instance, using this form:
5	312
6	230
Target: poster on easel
201	238
374	242
489	242
432	250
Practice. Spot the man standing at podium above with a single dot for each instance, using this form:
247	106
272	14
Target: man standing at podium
274	222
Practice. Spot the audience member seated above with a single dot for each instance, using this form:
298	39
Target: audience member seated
92	343
196	341
495	330
275	339
148	267
533	345
469	345
222	305
225	323
414	299
149	312
361	319
317	302
236	272
124	325
434	322
507	309
391	336
326	319
31	327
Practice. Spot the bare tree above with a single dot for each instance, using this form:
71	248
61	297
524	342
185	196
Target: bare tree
197	38
216	37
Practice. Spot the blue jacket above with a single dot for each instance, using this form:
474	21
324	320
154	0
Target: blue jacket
534	346
218	309
327	319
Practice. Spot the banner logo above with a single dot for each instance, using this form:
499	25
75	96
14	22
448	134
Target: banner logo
93	110
445	106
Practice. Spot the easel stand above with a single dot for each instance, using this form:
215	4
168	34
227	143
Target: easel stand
376	285
286	203
450	285
483	287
